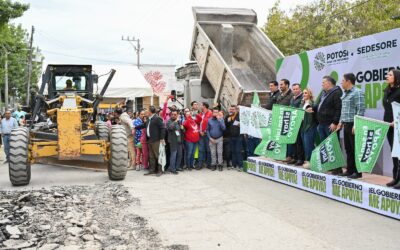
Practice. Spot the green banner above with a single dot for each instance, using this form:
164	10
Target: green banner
328	155
286	122
269	148
369	137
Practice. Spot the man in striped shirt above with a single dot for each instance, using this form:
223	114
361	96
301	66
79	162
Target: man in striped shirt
352	104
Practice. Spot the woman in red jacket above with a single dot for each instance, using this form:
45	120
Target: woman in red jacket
192	136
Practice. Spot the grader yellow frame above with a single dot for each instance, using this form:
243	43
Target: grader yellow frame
63	125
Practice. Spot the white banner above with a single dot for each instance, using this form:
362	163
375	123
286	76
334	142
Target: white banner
370	58
375	198
253	119
396	138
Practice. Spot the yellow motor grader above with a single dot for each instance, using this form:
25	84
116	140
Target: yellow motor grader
63	125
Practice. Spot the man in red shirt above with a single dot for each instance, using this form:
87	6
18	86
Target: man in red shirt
204	147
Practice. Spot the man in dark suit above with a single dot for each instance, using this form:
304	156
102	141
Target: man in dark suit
328	109
155	130
296	151
273	95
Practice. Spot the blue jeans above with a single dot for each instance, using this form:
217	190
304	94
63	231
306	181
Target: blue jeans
252	143
236	151
323	131
175	158
190	148
204	151
6	143
309	141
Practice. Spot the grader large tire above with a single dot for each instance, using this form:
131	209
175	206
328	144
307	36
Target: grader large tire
118	164
103	131
19	166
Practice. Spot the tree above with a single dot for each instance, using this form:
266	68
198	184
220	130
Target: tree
14	39
324	22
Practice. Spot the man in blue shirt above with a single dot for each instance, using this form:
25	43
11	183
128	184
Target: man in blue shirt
7	124
215	132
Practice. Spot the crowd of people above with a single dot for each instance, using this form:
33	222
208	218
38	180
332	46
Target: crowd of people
203	137
196	137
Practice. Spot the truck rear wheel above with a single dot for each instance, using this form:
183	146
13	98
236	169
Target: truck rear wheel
19	166
118	164
103	131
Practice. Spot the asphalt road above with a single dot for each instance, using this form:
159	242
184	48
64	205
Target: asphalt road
233	210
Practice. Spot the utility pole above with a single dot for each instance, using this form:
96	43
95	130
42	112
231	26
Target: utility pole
6	78
137	47
28	90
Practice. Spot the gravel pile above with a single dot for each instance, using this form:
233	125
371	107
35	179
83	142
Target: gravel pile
75	217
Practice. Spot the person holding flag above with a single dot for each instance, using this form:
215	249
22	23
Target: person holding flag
352	104
392	94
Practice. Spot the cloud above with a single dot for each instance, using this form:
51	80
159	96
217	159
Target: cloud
93	29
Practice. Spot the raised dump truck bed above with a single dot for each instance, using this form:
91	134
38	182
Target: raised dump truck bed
235	57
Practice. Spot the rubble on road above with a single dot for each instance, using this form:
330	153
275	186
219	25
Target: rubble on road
75	217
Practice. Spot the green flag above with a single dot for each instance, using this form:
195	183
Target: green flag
256	100
369	137
269	148
328	155
286	122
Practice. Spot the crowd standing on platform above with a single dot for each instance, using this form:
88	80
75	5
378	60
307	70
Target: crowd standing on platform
201	136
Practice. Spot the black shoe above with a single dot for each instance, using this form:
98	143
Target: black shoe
198	168
150	173
209	167
355	176
180	169
344	174
174	172
299	163
292	162
213	168
397	186
190	169
159	174
392	183
338	171
220	167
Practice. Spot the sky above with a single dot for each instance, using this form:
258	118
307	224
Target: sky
90	31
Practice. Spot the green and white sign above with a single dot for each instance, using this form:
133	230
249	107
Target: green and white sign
369	137
328	155
286	122
253	120
370	58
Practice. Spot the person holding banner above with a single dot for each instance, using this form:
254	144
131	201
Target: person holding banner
232	124
309	126
296	151
328	109
352	104
392	94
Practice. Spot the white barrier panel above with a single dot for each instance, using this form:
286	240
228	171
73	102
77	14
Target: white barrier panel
371	197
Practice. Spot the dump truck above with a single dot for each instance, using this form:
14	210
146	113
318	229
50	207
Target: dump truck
63	125
235	57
